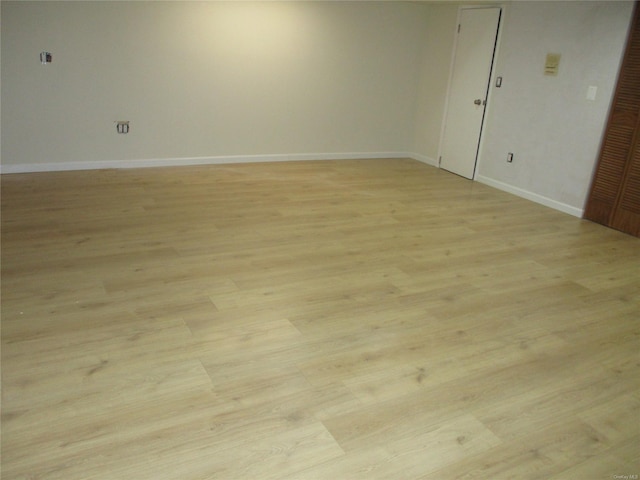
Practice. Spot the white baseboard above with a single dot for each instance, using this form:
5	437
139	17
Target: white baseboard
534	197
219	160
171	162
423	159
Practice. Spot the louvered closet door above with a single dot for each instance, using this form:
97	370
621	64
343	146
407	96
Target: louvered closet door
626	216
614	199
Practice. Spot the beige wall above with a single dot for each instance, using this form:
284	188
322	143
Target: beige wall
553	130
215	79
439	28
233	81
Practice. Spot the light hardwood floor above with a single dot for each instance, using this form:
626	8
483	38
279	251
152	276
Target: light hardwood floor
374	319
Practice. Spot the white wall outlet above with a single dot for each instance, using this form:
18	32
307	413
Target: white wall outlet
122	126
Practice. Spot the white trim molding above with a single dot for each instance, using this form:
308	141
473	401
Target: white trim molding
534	197
218	160
422	158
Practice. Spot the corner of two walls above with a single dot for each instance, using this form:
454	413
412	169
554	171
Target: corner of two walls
435	64
281	80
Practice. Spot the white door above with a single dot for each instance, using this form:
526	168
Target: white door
468	89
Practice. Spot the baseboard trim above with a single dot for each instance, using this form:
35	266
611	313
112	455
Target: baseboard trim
534	197
423	159
218	160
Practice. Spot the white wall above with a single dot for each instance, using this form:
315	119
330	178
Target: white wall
207	79
439	28
547	122
246	80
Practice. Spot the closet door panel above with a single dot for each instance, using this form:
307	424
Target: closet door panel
608	177
614	199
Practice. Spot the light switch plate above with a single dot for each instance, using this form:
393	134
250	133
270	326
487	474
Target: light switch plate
591	92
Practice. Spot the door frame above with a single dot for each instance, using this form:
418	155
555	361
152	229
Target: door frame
492	79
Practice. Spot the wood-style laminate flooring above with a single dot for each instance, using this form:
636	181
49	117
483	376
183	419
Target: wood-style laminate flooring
371	319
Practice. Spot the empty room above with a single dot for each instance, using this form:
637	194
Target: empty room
320	240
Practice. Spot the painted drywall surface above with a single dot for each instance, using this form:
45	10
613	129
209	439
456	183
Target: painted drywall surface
435	66
207	78
546	121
